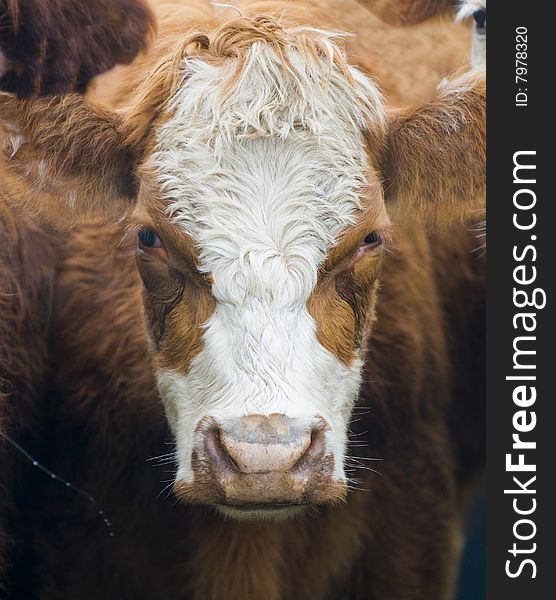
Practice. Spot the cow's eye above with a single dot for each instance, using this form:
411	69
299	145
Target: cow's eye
480	17
373	240
148	238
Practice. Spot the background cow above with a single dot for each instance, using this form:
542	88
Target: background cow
252	310
45	47
414	11
56	46
409	11
26	294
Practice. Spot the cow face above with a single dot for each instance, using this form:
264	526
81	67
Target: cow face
261	228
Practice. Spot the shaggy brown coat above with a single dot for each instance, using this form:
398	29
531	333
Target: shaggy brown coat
26	292
45	48
55	46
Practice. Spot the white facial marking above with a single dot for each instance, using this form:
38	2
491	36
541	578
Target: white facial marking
264	179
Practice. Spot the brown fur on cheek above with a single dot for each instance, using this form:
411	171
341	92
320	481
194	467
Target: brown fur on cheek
343	307
163	289
176	306
184	331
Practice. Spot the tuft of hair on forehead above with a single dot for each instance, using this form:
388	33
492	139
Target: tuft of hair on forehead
265	75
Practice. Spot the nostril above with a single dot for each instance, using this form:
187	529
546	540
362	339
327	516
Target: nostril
217	451
480	17
315	448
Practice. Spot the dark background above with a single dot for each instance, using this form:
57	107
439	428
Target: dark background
472	582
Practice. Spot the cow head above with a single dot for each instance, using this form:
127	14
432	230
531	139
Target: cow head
262	161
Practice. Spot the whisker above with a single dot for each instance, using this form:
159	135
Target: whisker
353	486
358	434
162	456
360	466
160	465
165	488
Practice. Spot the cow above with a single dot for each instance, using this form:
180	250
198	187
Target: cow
45	48
281	276
27	261
415	11
56	46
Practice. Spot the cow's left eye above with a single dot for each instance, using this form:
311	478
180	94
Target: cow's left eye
373	240
480	17
148	238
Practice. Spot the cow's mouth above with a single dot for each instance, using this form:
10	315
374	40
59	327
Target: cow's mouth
260	512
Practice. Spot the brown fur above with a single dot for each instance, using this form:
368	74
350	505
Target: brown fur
427	145
407	62
177	296
343	302
55	46
63	158
26	292
408	11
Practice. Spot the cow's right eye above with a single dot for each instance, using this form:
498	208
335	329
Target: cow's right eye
148	238
150	244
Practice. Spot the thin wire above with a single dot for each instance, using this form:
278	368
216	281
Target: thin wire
64	482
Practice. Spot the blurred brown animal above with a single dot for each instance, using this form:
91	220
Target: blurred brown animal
27	264
56	46
45	48
409	11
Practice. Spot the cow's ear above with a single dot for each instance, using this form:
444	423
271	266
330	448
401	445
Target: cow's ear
66	155
434	158
405	12
57	46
